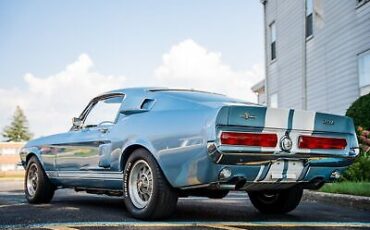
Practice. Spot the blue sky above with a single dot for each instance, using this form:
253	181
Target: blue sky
126	38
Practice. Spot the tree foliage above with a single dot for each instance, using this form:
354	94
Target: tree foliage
360	112
18	128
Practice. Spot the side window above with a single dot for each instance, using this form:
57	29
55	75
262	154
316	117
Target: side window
105	110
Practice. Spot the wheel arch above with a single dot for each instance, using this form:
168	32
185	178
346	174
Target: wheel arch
131	148
128	151
29	154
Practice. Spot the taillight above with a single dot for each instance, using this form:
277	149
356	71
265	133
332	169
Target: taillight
311	142
249	139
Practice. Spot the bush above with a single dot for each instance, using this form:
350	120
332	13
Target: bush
360	112
360	169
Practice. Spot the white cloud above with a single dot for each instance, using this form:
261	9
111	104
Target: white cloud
50	102
189	65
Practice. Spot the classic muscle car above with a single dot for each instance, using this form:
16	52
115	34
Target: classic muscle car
153	145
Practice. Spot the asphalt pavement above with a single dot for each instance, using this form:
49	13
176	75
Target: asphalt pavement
72	210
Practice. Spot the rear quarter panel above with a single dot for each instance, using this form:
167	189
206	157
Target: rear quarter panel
176	133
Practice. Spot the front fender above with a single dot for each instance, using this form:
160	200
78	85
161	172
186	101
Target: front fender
26	153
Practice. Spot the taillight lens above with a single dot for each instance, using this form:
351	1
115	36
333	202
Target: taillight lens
249	139
311	142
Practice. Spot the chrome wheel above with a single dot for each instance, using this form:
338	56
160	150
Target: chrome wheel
140	184
32	179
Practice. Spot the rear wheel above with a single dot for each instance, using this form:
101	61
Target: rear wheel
37	187
275	202
147	194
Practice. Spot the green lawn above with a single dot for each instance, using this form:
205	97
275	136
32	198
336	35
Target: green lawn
352	188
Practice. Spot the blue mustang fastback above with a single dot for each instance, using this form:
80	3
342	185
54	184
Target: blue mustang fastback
153	145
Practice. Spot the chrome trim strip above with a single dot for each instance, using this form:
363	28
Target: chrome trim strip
85	174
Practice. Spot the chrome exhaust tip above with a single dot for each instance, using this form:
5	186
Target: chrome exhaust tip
335	175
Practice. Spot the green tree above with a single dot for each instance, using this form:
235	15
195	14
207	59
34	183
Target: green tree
18	129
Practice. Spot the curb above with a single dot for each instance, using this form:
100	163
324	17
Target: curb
358	202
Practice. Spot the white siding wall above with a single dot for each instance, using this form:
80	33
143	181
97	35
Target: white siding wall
285	73
341	32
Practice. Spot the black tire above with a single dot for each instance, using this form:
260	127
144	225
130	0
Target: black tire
219	194
276	202
163	198
43	190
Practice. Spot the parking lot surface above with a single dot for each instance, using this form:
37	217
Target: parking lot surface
72	210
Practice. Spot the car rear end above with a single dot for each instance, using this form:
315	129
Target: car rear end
259	148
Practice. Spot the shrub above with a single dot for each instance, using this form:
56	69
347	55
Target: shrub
360	169
360	112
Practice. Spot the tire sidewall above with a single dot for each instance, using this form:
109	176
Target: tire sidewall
29	197
140	154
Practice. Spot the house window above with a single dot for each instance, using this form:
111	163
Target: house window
309	18
274	100
364	69
273	40
361	2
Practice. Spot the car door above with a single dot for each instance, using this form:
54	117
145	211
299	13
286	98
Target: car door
88	149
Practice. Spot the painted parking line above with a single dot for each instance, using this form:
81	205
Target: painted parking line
218	226
11	193
62	228
12	205
205	198
224	225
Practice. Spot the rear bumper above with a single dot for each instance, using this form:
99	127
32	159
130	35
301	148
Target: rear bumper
256	171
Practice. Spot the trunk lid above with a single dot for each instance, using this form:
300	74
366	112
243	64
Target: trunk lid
288	119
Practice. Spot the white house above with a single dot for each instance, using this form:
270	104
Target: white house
317	53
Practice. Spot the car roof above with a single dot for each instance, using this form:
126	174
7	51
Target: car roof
188	94
156	89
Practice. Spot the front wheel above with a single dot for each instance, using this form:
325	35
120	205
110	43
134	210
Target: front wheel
37	186
147	194
276	202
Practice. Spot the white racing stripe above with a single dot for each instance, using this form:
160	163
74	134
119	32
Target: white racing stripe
303	120
275	172
276	118
259	172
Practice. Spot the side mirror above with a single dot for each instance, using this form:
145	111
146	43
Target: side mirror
77	122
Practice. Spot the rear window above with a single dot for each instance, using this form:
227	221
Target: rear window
202	96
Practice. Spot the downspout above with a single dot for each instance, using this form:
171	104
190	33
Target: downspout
304	64
267	97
